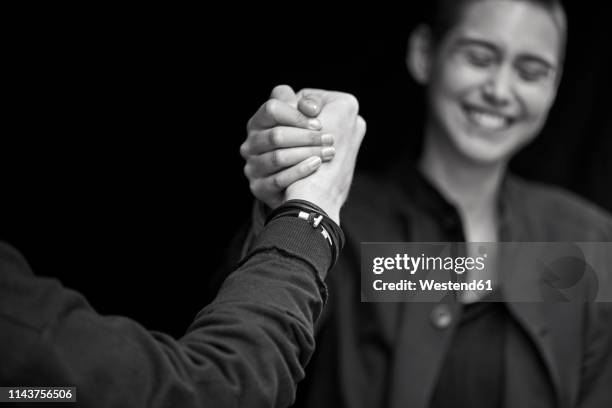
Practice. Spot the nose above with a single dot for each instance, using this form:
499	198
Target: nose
497	90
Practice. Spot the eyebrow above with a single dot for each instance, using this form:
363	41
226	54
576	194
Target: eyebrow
530	57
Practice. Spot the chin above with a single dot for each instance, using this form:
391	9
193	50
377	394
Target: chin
482	153
486	149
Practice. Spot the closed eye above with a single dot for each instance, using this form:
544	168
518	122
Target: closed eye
478	54
532	71
480	58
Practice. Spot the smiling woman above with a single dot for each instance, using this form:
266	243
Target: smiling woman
491	79
491	71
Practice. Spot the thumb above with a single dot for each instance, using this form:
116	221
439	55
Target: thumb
311	101
285	94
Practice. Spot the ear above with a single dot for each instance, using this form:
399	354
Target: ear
420	54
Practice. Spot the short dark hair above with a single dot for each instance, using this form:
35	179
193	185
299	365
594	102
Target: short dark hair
442	15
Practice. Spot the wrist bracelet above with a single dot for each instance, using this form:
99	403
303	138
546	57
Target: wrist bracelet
317	218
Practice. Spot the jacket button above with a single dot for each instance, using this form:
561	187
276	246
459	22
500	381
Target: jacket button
441	316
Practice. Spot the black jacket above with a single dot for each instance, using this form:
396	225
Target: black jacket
248	348
391	354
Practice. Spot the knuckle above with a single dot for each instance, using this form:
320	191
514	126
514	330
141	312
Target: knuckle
244	150
362	124
248	170
360	129
276	137
279	89
253	186
351	102
276	183
271	107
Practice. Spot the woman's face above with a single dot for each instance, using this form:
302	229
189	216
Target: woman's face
493	78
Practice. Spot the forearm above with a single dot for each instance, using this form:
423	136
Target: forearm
263	317
247	348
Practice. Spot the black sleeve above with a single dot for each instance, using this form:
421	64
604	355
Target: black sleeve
247	348
240	245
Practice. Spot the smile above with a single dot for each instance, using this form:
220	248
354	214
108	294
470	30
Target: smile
487	119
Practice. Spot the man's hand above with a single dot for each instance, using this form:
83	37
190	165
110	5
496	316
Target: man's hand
284	144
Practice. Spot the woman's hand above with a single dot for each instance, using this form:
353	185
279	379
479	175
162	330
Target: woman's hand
285	143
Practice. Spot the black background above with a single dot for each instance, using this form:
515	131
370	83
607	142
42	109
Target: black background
120	166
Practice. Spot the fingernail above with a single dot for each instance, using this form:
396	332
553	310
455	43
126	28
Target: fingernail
312	105
327	153
313	162
314	124
327	139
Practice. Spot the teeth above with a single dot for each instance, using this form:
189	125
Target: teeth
488	120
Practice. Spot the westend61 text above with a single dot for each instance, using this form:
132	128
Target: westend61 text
430	284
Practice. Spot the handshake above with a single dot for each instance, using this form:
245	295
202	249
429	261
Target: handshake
303	146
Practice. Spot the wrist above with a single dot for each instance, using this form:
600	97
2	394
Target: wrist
331	208
316	217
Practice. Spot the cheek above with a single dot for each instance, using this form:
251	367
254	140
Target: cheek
457	79
537	100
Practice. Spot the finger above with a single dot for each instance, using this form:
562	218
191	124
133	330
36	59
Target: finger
362	127
285	93
277	160
280	137
278	113
320	96
311	101
317	94
276	183
310	107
